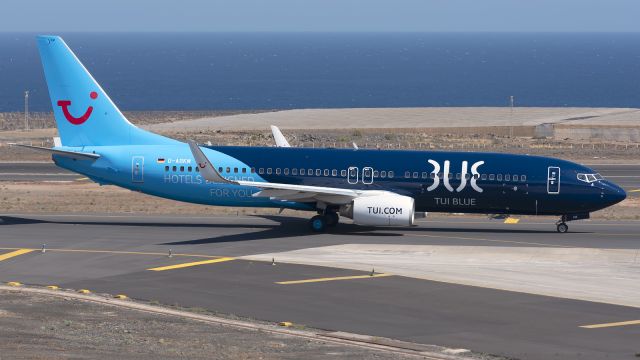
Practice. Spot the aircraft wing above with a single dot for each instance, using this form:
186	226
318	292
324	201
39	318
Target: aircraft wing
66	153
278	191
281	141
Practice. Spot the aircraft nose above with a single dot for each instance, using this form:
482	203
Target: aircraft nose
613	193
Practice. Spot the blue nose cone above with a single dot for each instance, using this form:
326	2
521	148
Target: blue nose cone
613	193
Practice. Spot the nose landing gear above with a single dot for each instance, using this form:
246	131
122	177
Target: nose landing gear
562	227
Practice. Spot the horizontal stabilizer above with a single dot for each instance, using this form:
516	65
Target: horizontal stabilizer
66	153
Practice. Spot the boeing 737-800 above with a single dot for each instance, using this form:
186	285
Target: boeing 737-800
372	187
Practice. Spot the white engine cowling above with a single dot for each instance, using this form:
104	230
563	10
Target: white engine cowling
381	210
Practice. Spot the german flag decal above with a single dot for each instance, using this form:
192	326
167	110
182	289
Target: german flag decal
160	160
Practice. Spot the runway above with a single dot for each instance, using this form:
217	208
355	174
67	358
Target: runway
213	266
625	175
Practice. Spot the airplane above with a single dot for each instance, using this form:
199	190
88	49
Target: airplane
371	187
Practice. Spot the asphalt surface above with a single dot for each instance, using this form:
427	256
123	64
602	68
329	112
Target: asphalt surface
112	254
627	176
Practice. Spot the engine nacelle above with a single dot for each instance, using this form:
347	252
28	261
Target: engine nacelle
381	210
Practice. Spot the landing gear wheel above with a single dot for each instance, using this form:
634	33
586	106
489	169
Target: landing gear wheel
332	219
562	228
318	223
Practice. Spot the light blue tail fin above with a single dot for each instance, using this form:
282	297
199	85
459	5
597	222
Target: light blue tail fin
84	113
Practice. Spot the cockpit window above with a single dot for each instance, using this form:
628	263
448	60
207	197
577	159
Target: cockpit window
589	178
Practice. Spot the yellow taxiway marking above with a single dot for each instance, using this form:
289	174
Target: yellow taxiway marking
622	323
511	220
332	279
15	253
636	190
82	178
195	263
489	240
118	252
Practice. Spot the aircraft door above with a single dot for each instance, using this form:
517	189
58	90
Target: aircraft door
367	175
352	175
553	180
137	169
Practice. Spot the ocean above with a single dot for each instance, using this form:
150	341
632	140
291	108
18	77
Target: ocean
207	71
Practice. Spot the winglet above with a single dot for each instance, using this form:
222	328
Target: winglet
207	170
281	141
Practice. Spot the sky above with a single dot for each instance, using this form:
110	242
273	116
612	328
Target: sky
320	15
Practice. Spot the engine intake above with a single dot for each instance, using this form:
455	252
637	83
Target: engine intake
381	210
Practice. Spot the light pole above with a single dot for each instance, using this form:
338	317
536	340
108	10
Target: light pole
511	102
26	110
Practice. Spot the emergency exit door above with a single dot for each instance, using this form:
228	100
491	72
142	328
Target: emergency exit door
553	180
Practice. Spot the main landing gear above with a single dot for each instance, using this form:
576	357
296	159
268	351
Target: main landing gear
320	222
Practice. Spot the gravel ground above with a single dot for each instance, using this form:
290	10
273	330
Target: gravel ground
34	326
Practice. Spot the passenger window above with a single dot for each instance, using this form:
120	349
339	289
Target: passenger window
458	176
318	172
294	171
383	174
286	171
302	172
343	173
425	175
484	176
334	172
228	169
467	176
407	174
261	171
244	170
491	176
269	171
189	169
450	175
507	177
220	169
499	177
476	176
253	170
432	175
277	171
175	168
326	172
523	178
235	170
515	177
390	174
181	168
166	168
415	175
376	173
310	172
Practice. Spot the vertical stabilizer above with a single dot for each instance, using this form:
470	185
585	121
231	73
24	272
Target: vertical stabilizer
84	113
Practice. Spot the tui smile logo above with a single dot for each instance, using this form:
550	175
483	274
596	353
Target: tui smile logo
64	104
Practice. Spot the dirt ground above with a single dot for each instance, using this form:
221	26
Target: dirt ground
84	197
35	326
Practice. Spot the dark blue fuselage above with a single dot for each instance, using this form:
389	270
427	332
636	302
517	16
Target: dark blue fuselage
506	183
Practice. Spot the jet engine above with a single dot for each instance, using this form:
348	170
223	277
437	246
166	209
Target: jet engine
381	210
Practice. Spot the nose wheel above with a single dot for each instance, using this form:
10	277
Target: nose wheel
562	227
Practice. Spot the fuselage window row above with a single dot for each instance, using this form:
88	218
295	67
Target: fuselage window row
343	173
